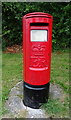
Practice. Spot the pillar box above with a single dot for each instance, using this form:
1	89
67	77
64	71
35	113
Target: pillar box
37	46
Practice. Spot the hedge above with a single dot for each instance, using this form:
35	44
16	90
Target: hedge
12	13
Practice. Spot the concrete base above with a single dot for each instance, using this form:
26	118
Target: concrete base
16	107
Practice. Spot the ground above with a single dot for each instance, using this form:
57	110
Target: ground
12	74
16	108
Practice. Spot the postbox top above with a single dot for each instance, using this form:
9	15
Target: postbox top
37	14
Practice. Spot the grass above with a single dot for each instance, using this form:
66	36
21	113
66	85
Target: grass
57	109
60	76
12	73
0	83
60	70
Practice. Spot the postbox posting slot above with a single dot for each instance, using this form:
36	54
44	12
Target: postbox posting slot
38	24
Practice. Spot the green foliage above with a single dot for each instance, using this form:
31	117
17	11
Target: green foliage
12	21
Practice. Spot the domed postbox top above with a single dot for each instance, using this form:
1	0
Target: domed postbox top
37	14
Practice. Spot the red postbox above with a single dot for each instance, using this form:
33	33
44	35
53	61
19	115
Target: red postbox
37	46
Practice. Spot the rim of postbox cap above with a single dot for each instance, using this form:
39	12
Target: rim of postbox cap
38	14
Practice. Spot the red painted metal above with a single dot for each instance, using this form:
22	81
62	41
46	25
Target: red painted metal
37	55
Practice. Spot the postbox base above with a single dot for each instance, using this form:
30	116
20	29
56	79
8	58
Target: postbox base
34	96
